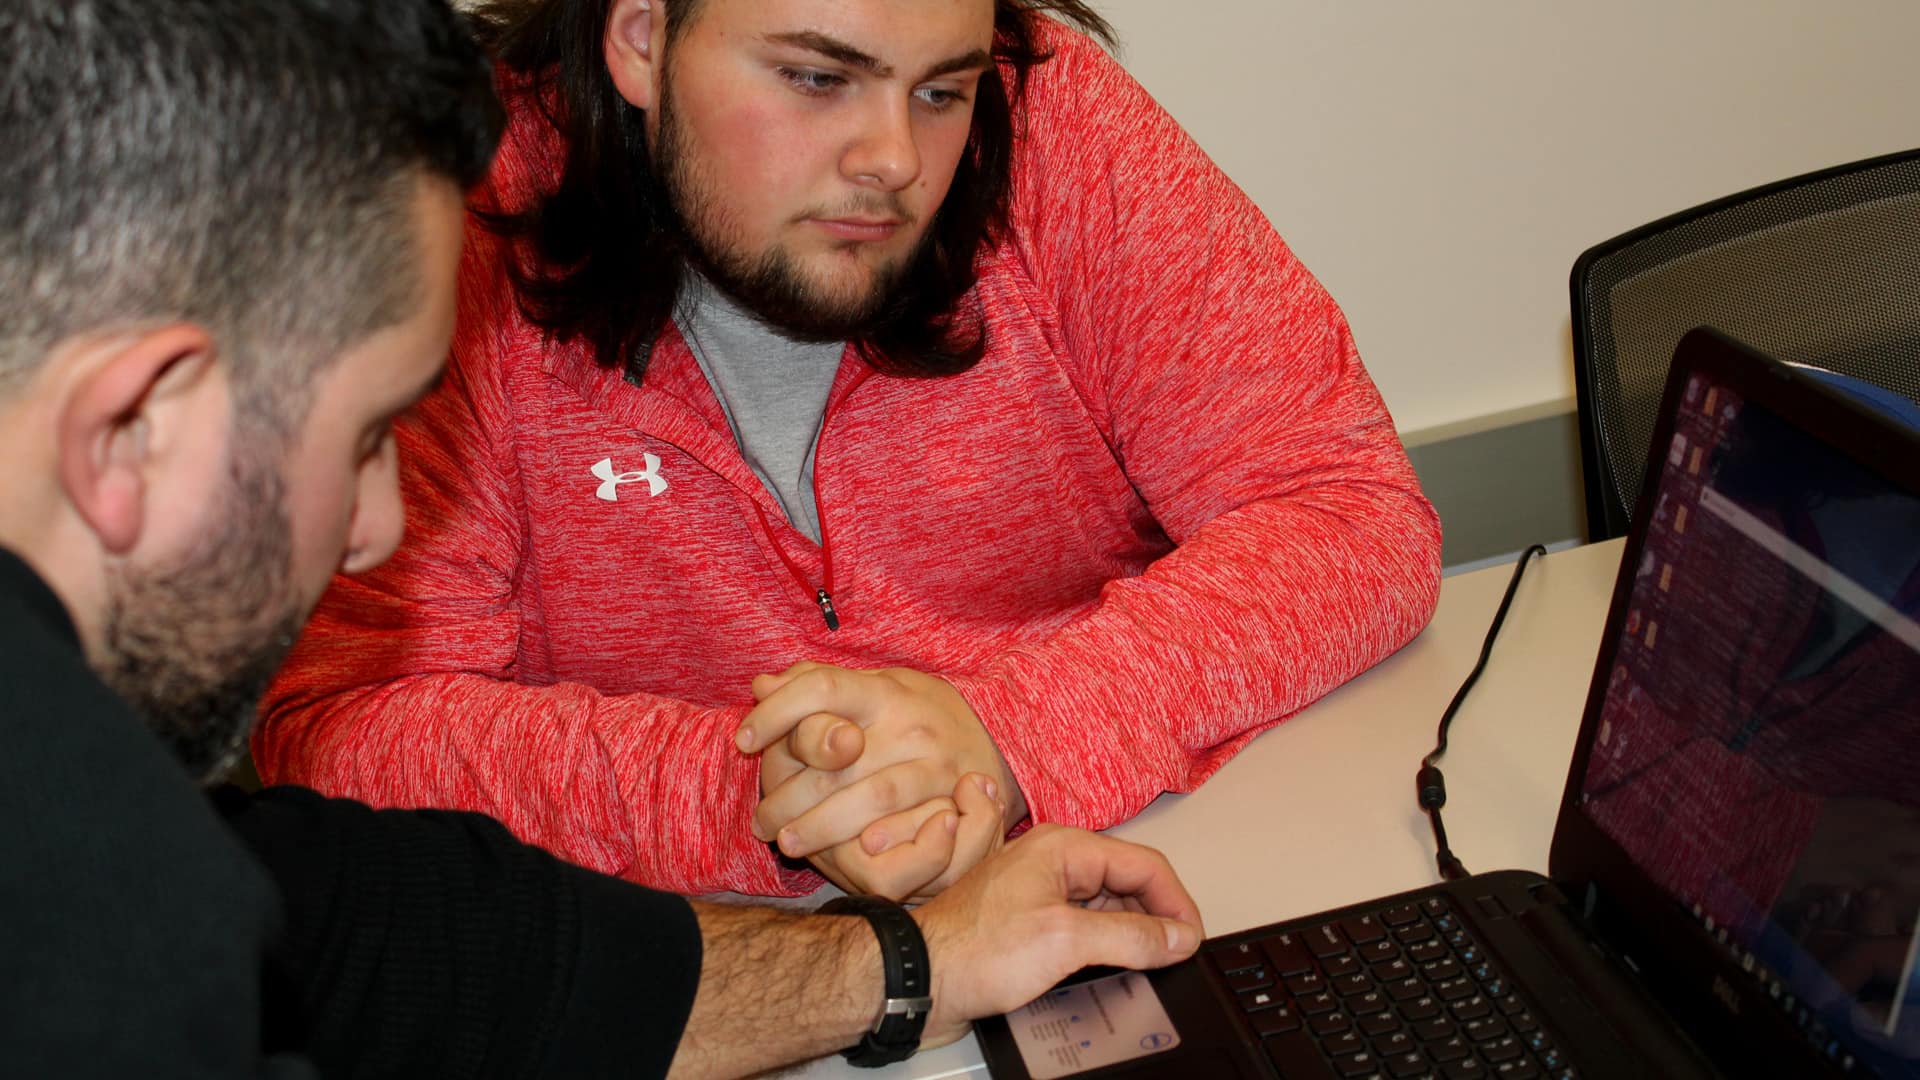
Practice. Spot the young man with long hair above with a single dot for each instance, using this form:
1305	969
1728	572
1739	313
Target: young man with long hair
852	395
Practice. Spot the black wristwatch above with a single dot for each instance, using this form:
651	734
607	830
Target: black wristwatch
903	954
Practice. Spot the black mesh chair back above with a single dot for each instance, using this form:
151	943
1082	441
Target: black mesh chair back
1822	269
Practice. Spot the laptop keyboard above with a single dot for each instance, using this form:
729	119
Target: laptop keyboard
1402	992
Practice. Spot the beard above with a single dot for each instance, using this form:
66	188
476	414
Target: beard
771	283
192	646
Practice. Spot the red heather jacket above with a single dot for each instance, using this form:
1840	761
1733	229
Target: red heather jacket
1167	510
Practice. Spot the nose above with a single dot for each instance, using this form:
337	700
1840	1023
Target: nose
379	517
884	155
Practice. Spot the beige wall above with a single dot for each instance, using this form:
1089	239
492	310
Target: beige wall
1440	164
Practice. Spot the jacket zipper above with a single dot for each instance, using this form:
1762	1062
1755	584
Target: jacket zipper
823	594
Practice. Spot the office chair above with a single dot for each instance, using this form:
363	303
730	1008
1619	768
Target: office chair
1821	269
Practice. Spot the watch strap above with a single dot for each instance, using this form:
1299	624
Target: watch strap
908	994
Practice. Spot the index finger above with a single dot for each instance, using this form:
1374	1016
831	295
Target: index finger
767	683
820	689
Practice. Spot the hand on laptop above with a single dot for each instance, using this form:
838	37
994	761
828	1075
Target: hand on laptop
1050	903
857	763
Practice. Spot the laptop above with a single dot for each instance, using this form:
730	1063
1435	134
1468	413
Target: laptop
1735	869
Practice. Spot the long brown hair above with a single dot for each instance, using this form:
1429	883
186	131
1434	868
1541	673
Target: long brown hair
603	255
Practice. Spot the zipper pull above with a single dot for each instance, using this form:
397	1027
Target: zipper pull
826	609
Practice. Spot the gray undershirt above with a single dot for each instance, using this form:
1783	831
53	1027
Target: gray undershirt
773	390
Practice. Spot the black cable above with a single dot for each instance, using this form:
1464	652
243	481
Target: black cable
1430	786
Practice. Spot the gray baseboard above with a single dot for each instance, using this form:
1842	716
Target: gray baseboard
1503	482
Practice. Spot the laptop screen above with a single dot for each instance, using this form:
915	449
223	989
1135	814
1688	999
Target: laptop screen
1757	753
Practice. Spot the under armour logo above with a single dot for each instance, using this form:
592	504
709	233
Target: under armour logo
610	491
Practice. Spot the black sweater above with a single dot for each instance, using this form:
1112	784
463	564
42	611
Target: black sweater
142	935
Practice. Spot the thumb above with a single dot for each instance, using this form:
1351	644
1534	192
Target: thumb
827	742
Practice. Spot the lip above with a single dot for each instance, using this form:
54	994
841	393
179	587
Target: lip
861	229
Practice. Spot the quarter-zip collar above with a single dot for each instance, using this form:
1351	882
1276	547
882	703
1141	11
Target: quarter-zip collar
675	404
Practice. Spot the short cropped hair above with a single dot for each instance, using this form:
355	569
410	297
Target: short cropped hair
250	166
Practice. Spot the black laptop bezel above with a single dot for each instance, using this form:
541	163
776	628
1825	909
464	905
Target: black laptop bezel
1702	981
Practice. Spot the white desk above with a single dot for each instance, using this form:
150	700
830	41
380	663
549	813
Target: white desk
1320	811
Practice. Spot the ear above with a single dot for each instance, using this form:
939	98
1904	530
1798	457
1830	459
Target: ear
632	42
105	425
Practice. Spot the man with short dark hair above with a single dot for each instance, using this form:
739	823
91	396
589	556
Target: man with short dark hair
231	231
852	395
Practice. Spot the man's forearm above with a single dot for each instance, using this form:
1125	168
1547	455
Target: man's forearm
777	987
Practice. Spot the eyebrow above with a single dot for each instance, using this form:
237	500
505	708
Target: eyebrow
835	49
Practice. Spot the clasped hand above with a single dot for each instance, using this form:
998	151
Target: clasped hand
885	780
